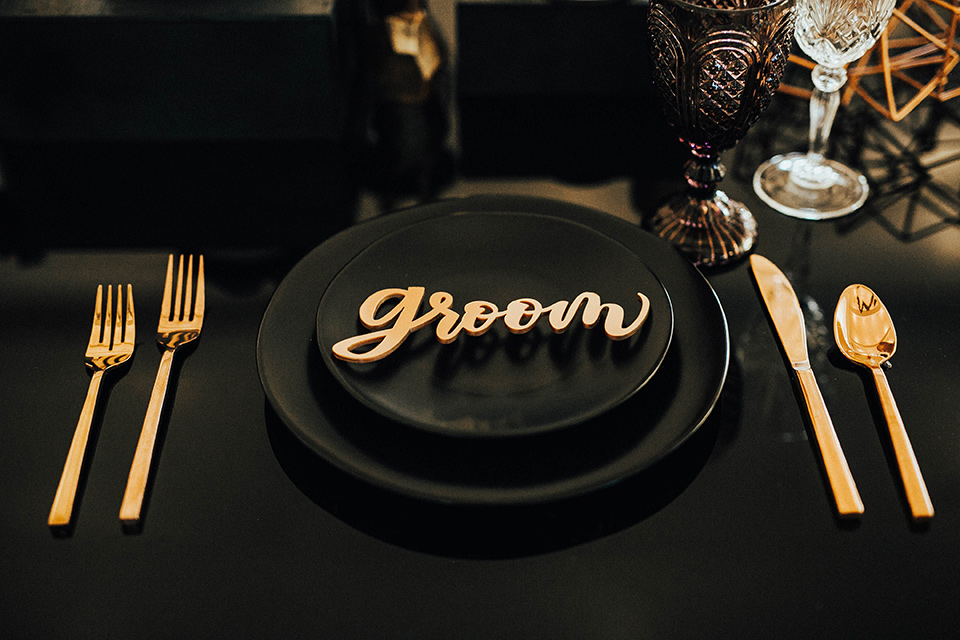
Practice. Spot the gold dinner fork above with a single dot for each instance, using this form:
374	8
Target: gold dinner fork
111	344
181	318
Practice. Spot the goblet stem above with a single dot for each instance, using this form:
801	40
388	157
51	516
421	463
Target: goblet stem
703	172
706	225
823	109
812	172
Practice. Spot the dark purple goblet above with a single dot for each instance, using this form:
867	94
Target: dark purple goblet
716	65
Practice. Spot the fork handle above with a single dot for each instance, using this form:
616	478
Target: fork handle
62	510
913	484
140	469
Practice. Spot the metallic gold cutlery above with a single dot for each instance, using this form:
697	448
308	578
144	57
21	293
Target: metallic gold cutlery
181	318
865	334
784	309
111	344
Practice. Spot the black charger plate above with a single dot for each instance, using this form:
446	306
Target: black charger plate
558	464
498	384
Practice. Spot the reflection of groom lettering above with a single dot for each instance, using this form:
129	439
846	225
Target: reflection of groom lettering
391	329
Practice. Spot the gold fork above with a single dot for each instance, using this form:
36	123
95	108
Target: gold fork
111	344
181	318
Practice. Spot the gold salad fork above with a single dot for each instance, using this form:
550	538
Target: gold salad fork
181	318
111	344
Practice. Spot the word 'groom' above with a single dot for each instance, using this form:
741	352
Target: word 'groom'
392	328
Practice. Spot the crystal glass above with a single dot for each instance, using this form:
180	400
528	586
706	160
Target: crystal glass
833	33
715	64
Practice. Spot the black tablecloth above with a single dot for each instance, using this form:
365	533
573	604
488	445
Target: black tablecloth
245	536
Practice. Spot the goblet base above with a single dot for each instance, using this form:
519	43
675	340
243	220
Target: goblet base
829	191
709	231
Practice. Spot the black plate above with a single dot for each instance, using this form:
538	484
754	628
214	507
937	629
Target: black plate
498	384
556	465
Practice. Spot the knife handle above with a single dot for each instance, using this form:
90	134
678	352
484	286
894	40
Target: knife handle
913	484
838	473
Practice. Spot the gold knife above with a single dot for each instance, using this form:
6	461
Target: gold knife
784	309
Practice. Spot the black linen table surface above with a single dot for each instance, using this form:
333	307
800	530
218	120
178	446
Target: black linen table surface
247	535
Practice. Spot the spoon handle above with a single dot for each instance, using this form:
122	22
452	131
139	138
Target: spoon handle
913	484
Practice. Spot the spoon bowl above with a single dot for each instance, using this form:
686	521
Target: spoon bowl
863	327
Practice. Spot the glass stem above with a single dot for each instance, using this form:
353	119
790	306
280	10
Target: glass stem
812	172
823	108
703	172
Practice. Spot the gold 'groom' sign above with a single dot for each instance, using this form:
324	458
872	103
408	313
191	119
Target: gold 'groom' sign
392	328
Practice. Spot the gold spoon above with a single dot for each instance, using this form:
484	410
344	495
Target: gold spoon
865	334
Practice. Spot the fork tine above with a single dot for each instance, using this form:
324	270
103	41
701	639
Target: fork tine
178	300
130	329
118	319
188	293
95	331
167	290
108	318
199	304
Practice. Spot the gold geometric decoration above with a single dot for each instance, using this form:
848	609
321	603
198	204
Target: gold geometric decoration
915	55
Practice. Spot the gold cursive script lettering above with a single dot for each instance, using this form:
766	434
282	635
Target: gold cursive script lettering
390	330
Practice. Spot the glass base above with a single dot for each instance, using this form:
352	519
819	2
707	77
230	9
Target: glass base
708	231
828	191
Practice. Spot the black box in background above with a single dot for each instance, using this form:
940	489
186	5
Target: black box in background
167	121
560	89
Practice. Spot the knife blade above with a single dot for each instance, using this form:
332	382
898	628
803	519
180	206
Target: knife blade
784	309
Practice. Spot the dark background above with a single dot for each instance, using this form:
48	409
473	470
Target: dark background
242	129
